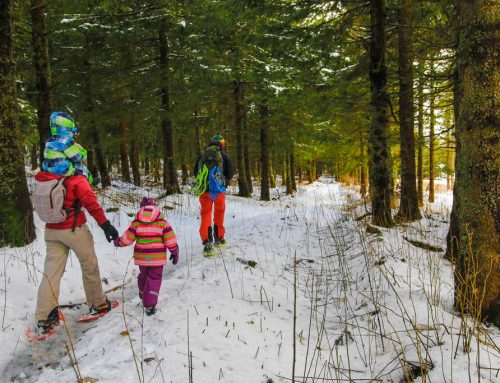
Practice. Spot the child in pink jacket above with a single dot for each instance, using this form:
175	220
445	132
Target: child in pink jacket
152	235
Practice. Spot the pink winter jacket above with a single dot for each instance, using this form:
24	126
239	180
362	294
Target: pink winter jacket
152	235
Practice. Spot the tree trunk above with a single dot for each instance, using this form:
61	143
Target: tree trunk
288	182
170	183
16	214
146	165
362	167
89	109
246	153
293	184
134	156
185	173
34	156
264	153
91	163
408	207
420	145
42	69
272	175
379	170
124	150
477	184
432	124
239	116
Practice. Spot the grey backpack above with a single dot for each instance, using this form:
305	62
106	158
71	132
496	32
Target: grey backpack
48	199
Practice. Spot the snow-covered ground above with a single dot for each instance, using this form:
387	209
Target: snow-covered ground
368	307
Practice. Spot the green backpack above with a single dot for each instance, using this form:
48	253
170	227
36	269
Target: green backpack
210	158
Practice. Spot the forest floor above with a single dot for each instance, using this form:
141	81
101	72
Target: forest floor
369	307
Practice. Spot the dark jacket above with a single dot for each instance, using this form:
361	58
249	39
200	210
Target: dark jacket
227	165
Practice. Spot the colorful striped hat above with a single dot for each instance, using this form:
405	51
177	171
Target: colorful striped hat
62	124
219	137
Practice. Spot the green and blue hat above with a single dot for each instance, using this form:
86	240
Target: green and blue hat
62	124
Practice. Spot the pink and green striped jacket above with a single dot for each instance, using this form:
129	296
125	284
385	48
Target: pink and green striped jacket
152	235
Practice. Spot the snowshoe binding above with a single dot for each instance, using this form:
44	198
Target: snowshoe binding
98	312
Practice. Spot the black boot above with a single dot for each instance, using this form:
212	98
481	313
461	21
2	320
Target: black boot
218	241
52	321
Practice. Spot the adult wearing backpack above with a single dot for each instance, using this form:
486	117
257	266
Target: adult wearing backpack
213	170
58	201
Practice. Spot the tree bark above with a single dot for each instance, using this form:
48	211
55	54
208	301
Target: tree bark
287	171
239	116
134	156
272	175
292	168
42	69
432	124
16	214
264	153
89	109
379	170
124	150
34	156
362	176
146	165
246	153
408	208
477	184
420	145
170	183
185	173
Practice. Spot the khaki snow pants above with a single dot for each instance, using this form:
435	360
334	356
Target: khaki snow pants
59	242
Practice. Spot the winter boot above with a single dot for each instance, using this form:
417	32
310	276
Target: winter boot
218	241
150	310
102	308
52	321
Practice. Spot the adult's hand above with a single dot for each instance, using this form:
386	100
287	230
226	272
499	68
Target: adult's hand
109	231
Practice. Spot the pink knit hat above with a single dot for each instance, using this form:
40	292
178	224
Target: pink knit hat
148	202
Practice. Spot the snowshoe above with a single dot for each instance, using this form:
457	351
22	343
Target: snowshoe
208	250
45	328
95	314
219	242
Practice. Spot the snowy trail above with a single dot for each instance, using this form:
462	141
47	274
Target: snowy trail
363	300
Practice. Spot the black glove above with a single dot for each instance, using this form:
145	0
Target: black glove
109	231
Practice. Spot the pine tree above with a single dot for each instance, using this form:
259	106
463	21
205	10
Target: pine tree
408	209
43	73
477	186
379	152
16	214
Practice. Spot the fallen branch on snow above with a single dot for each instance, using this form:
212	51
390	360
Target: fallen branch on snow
423	245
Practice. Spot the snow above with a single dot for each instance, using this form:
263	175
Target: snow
365	303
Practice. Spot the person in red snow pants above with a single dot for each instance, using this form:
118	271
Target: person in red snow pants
219	207
214	233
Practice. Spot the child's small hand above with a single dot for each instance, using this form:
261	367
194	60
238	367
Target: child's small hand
116	242
174	257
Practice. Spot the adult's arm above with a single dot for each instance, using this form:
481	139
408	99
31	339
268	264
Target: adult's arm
83	191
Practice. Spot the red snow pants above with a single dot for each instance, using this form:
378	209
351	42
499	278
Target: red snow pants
219	207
